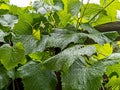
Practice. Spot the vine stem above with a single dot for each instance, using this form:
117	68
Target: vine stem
13	85
101	10
84	11
102	87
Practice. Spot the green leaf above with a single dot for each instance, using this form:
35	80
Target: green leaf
114	73
10	57
114	83
12	74
62	37
59	38
83	77
112	8
34	77
4	6
4	0
43	7
90	11
4	79
2	35
25	21
27	40
66	58
73	6
111	35
8	20
58	4
97	36
30	44
64	17
103	18
36	34
114	68
40	56
114	56
103	51
88	28
2	11
24	25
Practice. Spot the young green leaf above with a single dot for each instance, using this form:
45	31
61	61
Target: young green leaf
112	8
36	34
40	56
10	57
114	83
90	10
103	51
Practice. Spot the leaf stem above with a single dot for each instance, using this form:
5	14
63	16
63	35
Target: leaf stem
101	11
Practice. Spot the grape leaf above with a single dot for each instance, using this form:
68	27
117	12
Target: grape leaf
73	6
58	4
30	44
103	51
40	56
25	21
103	18
10	57
114	68
23	27
34	77
8	20
2	35
62	37
64	17
2	11
114	82
4	6
59	38
66	58
4	79
112	8
90	10
83	77
95	35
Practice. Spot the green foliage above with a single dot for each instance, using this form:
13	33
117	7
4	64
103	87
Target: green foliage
73	7
65	59
12	56
4	77
36	78
55	41
2	35
112	9
83	77
91	10
58	4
